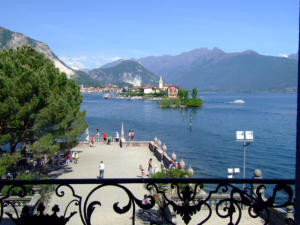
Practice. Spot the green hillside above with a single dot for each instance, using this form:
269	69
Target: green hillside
84	79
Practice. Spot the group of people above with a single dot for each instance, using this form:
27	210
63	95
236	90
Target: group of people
130	135
150	171
73	157
106	138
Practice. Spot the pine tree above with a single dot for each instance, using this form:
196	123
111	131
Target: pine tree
39	106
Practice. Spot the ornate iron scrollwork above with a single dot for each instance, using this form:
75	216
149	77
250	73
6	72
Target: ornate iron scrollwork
86	209
45	219
184	200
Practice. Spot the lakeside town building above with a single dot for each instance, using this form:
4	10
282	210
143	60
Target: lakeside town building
171	89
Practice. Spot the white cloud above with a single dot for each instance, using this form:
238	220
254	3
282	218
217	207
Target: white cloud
85	62
75	63
283	55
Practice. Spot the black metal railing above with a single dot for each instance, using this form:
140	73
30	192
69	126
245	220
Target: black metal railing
182	197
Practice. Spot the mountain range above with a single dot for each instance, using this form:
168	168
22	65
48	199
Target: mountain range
126	73
201	68
216	70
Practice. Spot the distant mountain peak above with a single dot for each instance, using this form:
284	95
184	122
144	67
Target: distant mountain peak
217	50
111	64
125	72
249	51
201	49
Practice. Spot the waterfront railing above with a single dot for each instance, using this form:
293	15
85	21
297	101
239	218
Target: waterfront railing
183	198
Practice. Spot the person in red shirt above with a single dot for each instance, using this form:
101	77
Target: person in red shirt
132	135
68	159
92	140
104	136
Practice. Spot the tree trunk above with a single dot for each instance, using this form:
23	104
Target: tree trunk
13	146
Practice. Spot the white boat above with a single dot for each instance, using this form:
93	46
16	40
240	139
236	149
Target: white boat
136	97
106	96
238	101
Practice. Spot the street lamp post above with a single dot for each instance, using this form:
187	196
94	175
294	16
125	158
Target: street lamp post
246	137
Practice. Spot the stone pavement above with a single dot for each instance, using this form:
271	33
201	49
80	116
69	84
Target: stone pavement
119	163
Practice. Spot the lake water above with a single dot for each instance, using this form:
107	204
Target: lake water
209	145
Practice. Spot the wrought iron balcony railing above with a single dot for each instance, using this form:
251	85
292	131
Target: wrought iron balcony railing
184	197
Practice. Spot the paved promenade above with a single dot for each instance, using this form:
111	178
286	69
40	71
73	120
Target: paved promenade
119	163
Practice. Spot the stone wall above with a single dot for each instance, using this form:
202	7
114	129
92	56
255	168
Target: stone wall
160	154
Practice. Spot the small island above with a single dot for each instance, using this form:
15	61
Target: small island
149	92
181	100
169	95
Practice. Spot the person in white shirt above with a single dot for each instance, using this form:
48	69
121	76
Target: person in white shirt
155	169
101	169
117	136
72	156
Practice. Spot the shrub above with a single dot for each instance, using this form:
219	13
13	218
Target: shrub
23	176
192	102
7	161
166	102
176	173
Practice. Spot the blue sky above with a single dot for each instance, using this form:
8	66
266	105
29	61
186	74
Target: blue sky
90	33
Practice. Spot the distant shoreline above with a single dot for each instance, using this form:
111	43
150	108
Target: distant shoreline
210	92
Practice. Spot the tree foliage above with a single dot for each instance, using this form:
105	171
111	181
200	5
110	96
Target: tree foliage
39	106
194	93
192	102
182	100
172	173
183	93
7	161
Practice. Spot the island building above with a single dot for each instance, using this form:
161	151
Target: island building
161	83
149	89
172	92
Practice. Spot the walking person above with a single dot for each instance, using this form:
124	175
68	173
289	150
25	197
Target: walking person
101	169
129	136
68	159
72	156
92	141
76	158
150	167
132	136
104	136
117	136
145	201
87	136
97	132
